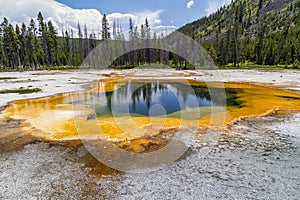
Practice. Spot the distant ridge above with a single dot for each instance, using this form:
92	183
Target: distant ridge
263	32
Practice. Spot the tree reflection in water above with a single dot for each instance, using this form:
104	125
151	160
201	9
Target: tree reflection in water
137	98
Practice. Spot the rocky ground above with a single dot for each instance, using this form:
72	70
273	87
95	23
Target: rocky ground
254	158
252	162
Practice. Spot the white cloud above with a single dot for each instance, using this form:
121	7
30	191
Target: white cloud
137	18
213	5
190	4
62	16
164	30
65	17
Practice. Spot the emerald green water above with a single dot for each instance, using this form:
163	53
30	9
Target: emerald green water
137	98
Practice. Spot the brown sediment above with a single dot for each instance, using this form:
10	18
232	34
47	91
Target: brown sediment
96	168
52	118
141	145
152	142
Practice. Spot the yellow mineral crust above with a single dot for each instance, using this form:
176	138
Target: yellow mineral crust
57	119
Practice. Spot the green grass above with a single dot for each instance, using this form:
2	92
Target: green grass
254	66
7	78
189	67
21	91
65	68
41	68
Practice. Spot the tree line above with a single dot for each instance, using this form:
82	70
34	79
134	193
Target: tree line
38	46
142	48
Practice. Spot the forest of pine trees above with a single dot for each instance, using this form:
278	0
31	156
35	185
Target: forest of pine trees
138	35
38	46
247	32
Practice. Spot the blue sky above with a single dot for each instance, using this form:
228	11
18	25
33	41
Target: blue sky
174	12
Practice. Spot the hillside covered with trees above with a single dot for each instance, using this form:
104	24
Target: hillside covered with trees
261	32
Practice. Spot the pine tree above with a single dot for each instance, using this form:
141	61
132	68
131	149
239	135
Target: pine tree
11	47
1	50
30	45
3	58
148	38
142	53
237	23
4	24
260	4
131	54
22	52
80	43
86	45
147	29
105	28
283	36
136	38
143	33
52	44
72	49
92	40
66	49
114	30
259	46
44	53
130	29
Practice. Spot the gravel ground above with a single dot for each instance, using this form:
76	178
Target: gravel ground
252	162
